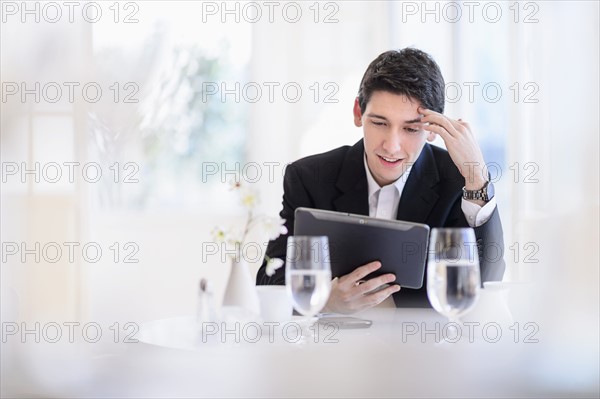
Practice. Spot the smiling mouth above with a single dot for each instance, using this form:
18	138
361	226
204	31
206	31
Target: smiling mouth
390	161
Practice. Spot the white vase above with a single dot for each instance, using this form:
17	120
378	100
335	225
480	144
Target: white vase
240	291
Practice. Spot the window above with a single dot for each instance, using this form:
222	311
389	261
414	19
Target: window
169	120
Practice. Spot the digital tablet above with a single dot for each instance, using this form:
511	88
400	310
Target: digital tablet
355	240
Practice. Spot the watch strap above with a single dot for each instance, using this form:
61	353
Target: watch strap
480	194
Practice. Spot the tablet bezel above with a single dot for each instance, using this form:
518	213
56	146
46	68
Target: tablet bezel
358	239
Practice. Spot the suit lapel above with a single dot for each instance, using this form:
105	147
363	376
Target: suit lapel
352	182
419	195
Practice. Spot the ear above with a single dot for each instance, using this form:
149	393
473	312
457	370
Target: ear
431	136
357	113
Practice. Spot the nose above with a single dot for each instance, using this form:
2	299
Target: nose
392	144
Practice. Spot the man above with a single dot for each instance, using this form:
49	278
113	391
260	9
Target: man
393	173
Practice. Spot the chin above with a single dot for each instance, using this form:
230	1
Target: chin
388	179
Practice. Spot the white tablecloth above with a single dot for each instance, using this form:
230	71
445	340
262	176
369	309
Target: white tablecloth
400	355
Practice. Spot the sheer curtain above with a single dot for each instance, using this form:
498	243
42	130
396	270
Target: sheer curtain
560	213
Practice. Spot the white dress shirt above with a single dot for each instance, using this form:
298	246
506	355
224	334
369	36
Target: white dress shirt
384	201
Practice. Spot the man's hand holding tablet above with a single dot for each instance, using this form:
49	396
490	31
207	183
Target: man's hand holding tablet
350	293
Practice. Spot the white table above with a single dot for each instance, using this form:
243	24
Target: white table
388	359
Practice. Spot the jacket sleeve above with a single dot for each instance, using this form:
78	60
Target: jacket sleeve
490	242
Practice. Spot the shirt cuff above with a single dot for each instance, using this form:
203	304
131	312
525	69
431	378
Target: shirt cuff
477	215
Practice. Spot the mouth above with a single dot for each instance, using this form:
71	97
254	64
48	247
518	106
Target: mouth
390	162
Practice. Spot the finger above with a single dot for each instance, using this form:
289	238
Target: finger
465	124
359	273
441	120
452	126
439	130
458	124
458	128
426	111
431	114
373	283
377	297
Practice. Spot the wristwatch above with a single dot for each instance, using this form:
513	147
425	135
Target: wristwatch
485	193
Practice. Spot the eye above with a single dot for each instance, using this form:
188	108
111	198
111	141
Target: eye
411	130
379	123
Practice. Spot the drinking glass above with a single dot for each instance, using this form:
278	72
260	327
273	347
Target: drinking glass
308	273
453	280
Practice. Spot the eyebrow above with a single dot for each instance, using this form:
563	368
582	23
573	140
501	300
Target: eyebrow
372	115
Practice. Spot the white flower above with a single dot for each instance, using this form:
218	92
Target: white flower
272	265
248	196
274	227
219	234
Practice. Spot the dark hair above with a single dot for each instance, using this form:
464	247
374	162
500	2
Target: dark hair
409	71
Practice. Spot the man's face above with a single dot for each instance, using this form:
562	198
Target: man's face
393	134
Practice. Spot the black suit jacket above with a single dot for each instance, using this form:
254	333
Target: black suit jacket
336	180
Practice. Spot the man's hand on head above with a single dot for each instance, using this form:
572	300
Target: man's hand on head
350	293
461	145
